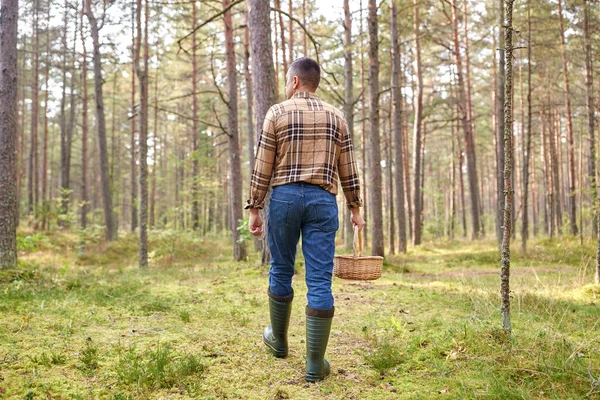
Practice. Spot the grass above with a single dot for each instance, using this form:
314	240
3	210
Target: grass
94	325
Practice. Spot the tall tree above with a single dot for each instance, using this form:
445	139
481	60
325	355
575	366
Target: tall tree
235	169
195	155
571	147
527	158
417	131
375	192
84	134
348	99
111	233
32	179
508	89
499	132
134	115
589	102
45	199
263	74
249	96
397	130
467	128
9	12
142	74
249	108
66	128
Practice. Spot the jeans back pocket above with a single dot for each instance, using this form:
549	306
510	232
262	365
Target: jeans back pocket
279	211
327	216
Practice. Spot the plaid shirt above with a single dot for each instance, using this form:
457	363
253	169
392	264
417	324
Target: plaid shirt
305	140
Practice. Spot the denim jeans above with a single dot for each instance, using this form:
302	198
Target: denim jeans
311	210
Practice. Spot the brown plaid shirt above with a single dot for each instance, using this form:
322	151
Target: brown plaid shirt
305	139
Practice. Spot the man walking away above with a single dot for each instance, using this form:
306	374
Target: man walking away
303	148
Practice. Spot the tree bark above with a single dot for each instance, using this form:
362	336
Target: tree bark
348	101
397	131
282	36
500	122
195	155
32	181
589	102
263	73
505	269
363	141
249	111
65	163
45	199
291	29
377	247
84	136
134	115
571	148
9	9
417	132
142	74
467	130
555	166
525	223
111	233
235	169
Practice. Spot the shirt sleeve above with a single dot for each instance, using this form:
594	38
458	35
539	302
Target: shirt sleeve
348	170
263	166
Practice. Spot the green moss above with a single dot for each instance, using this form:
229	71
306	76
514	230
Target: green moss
189	326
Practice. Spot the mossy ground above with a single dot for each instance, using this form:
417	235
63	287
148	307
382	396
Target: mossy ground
96	326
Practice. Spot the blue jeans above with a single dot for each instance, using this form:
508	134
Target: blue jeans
311	210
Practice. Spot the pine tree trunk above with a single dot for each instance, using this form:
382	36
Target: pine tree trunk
249	111
375	187
363	141
155	156
235	169
142	74
527	158
500	123
571	147
508	192
64	165
263	74
84	137
111	233
282	36
589	102
461	179
467	131
9	10
291	31
134	115
555	165
417	210
45	199
387	134
195	155
397	131
348	101
32	180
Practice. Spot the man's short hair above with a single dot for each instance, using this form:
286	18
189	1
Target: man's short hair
308	70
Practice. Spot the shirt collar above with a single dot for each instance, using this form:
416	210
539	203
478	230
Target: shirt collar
305	95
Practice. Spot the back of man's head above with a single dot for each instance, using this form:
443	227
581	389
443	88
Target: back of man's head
308	71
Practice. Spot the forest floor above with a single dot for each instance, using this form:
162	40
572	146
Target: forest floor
96	326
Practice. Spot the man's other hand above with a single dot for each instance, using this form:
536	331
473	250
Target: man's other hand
357	219
255	222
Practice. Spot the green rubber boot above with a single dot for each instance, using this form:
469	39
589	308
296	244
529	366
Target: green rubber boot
275	336
318	326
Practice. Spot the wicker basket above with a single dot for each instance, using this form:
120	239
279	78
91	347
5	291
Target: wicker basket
357	267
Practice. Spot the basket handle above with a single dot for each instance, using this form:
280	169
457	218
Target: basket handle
357	242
